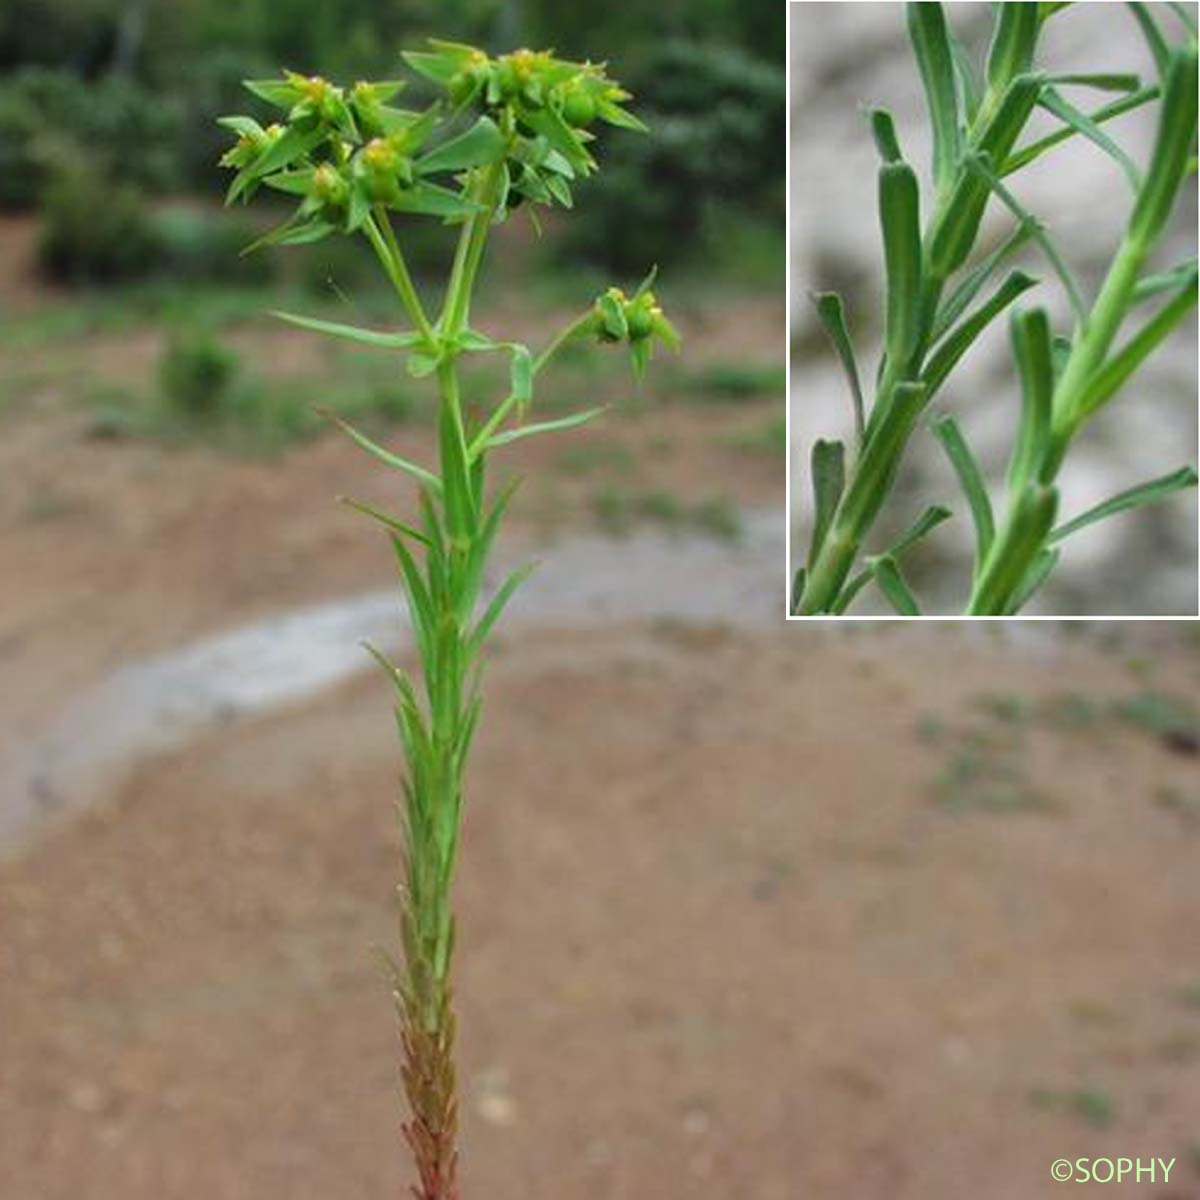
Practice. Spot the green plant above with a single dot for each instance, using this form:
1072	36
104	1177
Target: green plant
95	230
932	319
197	373
510	130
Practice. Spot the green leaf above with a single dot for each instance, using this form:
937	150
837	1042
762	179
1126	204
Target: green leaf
433	201
1173	145
955	232
1039	571
352	333
833	319
1165	281
968	84
1028	525
797	592
286	149
421	364
385	519
891	583
550	125
497	605
899	212
1031	348
1105	383
981	167
1104	82
1027	154
876	469
521	376
1053	102
883	128
931	45
279	92
971	479
423	476
929	520
1013	40
614	114
479	146
571	422
296	183
647	283
959	299
1154	39
1134	497
828	480
292	233
612	313
440	67
960	339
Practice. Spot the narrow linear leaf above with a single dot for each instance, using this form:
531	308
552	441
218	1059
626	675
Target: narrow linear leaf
1150	286
828	480
1053	102
1134	497
539	427
935	60
960	339
497	605
959	299
291	233
970	477
1108	380
1154	39
833	318
968	83
1026	155
892	584
1103	82
385	519
881	454
1013	40
797	591
883	128
1173	144
352	333
1031	348
1028	525
1039	571
930	519
899	214
982	168
430	480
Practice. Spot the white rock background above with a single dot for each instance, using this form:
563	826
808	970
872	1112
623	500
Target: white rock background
846	57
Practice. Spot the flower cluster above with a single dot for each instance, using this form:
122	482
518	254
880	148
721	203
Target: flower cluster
637	319
345	151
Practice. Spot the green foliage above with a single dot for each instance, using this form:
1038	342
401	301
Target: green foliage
931	284
50	118
197	374
95	230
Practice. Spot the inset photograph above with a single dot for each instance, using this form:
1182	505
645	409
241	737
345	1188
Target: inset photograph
992	307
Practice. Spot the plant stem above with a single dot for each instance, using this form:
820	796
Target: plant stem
382	237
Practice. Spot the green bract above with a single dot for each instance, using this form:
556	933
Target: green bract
508	128
933	312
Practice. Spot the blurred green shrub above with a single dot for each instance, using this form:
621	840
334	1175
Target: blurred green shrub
50	116
197	374
95	230
718	120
